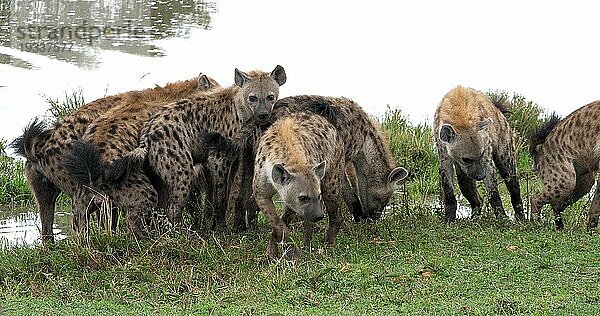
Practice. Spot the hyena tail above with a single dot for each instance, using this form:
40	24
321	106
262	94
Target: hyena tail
216	142
84	163
119	170
34	132
323	108
540	133
501	103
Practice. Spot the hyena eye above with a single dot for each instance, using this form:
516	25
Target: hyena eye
468	161
270	97
252	98
303	199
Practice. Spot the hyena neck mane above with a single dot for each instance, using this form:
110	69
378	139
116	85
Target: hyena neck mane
214	112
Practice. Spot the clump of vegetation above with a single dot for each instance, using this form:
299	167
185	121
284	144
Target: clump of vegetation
13	184
61	108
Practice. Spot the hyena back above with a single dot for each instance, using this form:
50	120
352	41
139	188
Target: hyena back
300	158
566	156
473	138
171	141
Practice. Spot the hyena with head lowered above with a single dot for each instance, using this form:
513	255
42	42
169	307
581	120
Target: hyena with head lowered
365	150
566	156
473	138
46	148
172	140
300	158
113	135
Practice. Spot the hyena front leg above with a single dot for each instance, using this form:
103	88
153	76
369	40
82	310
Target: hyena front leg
351	199
507	167
45	194
492	189
281	232
594	210
331	197
447	183
468	187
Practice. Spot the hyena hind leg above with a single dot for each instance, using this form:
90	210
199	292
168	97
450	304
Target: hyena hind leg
45	194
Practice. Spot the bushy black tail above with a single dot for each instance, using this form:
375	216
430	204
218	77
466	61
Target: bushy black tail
34	131
118	171
540	133
84	163
216	142
502	104
325	109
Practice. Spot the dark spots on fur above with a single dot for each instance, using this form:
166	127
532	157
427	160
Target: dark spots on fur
157	135
167	117
113	146
93	129
113	129
102	144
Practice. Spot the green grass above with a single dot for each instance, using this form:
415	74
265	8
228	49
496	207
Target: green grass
419	267
408	263
13	184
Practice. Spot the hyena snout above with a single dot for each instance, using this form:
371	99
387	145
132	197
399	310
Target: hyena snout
263	112
474	170
314	214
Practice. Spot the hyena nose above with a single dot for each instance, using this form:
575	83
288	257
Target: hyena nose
319	216
263	116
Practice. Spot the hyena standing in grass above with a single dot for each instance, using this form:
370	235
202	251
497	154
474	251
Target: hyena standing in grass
566	157
171	141
113	135
473	138
365	149
300	158
45	149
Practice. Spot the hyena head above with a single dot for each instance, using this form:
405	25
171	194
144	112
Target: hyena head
300	191
375	197
258	92
467	147
206	83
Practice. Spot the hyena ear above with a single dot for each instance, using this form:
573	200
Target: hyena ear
447	133
240	77
320	169
485	123
396	175
280	175
278	74
204	83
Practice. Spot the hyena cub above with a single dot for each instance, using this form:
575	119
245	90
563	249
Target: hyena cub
300	158
473	138
566	157
171	141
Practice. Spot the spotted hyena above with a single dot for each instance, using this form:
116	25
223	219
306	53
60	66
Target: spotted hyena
113	135
473	138
300	158
365	151
171	141
566	154
45	149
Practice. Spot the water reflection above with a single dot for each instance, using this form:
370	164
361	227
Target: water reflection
73	31
20	226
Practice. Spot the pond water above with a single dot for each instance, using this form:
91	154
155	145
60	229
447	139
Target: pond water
382	54
21	226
